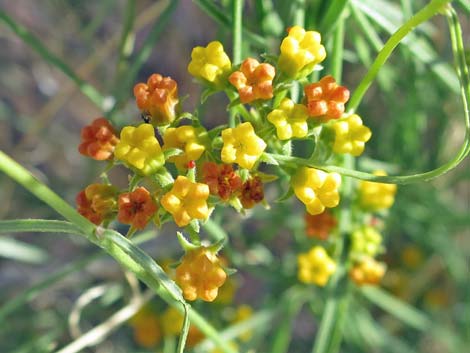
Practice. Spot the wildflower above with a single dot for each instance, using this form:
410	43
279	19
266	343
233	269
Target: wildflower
244	312
253	81
186	138
97	202
172	323
376	196
350	135
186	201
210	63
316	189
200	275
320	225
251	192
300	51
326	98
242	146
158	97
290	120
147	332
221	179
98	140
412	256
315	266
367	271
136	208
366	241
140	149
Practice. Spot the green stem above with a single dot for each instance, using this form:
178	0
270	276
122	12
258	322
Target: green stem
121	249
36	44
126	37
422	16
237	11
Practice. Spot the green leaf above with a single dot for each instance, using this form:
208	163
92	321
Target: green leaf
20	251
171	152
38	225
268	158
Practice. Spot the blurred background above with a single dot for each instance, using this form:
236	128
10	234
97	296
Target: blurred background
414	111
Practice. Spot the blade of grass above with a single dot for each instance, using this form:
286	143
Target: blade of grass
124	47
38	225
34	43
21	251
222	19
143	54
332	16
32	292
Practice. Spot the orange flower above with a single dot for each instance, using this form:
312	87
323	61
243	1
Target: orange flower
97	202
252	192
147	331
158	97
222	179
200	275
136	208
319	226
326	98
253	81
98	140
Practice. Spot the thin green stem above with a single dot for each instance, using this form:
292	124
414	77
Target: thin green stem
237	12
126	37
338	49
34	43
422	16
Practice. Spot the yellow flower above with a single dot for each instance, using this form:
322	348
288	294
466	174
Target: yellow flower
242	146
210	63
186	201
172	323
316	189
300	51
315	266
147	332
290	119
244	312
200	275
186	138
140	149
366	241
351	136
376	196
367	271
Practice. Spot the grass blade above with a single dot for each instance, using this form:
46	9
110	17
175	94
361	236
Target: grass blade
38	225
20	251
34	43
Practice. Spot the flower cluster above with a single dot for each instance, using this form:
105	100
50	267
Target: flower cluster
181	171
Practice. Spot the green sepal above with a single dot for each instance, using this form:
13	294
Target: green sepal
288	194
171	152
268	158
323	146
185	243
244	174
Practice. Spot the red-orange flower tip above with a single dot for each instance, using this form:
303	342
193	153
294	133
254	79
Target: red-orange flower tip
136	208
98	140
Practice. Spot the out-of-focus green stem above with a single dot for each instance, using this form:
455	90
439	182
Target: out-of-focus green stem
422	16
237	12
34	43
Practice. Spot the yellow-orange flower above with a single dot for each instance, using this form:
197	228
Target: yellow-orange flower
186	201
326	98
136	208
367	271
158	97
376	196
253	81
350	135
316	189
290	120
98	140
146	327
97	202
315	266
242	146
172	323
188	139
140	149
210	63
300	51
200	275
366	241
